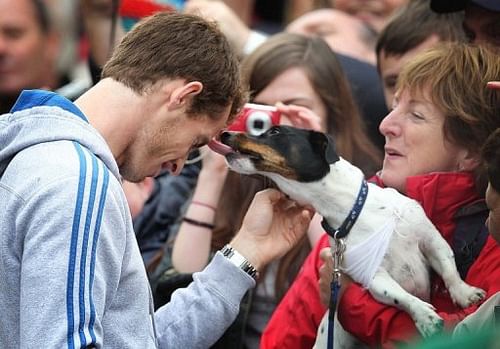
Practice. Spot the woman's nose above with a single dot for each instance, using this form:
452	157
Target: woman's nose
389	125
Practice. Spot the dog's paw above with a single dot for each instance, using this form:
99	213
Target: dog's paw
427	321
465	295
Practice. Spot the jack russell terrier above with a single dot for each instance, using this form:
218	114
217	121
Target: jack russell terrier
391	243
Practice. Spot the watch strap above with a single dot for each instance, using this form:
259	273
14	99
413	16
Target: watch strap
238	260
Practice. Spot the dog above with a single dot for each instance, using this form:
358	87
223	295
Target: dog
396	241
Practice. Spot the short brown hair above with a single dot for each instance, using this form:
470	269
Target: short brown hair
456	74
175	45
413	24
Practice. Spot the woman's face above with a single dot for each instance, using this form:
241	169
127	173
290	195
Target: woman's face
293	87
415	142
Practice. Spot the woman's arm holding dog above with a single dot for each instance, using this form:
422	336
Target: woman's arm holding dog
380	325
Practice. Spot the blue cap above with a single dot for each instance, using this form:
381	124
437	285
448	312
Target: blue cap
445	6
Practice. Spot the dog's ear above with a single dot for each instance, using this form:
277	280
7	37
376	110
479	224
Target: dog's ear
324	144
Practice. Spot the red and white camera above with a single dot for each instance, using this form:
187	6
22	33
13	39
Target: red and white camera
255	119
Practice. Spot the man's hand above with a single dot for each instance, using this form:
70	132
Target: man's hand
272	226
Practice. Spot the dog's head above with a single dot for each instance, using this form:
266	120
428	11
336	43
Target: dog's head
295	154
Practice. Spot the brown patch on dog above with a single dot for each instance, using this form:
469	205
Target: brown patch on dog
269	159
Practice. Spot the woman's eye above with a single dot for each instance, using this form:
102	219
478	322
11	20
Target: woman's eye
418	116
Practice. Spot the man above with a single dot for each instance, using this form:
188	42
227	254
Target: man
482	18
29	49
414	29
72	275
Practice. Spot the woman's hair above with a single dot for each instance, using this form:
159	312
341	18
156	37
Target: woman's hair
456	75
279	53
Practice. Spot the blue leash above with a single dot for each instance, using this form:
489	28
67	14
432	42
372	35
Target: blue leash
338	250
337	253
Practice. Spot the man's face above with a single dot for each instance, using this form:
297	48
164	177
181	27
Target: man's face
24	48
165	143
482	26
391	65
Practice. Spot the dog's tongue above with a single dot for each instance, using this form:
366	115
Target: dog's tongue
220	148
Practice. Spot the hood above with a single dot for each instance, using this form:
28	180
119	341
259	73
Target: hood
42	116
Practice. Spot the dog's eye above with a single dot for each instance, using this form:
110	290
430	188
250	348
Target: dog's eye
273	131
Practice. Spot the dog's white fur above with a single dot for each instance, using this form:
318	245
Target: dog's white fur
402	279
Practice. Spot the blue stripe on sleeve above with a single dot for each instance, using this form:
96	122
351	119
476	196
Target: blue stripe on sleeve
83	260
97	228
73	245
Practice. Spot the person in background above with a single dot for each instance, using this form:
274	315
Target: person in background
66	229
481	18
29	48
413	29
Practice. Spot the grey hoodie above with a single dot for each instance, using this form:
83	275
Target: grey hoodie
71	274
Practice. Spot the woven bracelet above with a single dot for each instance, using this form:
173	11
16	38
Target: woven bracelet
198	223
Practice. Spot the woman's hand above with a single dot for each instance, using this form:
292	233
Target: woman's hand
326	277
272	225
301	117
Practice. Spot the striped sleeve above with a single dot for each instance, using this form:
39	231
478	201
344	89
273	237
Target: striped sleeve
62	251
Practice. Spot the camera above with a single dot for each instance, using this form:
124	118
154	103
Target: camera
255	119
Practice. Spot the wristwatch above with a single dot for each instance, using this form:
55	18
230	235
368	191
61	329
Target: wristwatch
238	260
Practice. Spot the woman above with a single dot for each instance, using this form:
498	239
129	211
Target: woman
303	78
441	116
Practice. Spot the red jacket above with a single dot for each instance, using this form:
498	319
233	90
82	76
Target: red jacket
295	321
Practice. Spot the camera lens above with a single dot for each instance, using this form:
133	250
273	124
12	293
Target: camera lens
258	122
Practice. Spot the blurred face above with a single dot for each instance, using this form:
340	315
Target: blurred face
493	202
391	65
374	12
482	26
25	51
415	142
164	144
293	87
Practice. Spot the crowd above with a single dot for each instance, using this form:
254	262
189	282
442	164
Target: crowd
120	228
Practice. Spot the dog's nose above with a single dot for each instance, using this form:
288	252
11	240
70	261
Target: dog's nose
224	136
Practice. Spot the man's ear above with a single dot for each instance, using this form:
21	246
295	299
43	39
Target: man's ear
181	95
